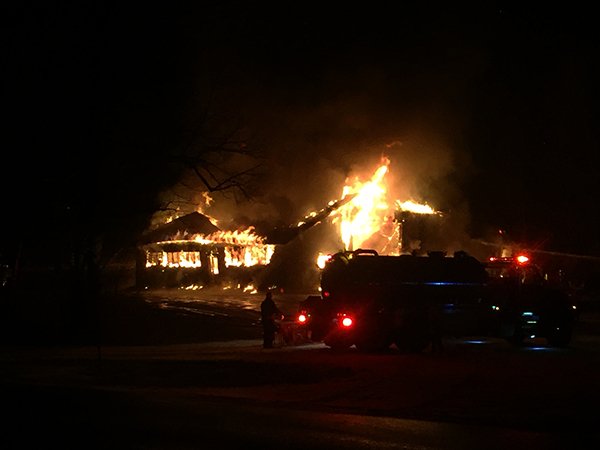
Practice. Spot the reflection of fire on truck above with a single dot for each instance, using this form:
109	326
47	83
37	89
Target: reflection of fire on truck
372	301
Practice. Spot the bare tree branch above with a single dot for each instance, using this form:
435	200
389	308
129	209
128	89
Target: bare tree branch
219	158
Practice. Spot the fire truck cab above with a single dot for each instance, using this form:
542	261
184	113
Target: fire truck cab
372	301
527	306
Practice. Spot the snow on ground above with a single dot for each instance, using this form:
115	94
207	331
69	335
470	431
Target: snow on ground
178	316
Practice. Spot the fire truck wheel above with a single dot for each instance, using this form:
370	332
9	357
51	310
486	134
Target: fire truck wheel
418	343
559	336
514	333
415	343
373	344
301	337
516	339
337	343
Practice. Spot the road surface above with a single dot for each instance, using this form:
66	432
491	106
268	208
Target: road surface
232	393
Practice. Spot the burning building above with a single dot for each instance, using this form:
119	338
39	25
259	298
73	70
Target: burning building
193	252
372	221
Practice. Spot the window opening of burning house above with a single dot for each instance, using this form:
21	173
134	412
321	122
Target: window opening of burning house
190	259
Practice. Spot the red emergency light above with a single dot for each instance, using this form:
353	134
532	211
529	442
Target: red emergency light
522	259
302	318
347	321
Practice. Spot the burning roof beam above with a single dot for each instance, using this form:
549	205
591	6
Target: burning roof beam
283	236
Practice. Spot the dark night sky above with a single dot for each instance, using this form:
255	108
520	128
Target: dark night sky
490	111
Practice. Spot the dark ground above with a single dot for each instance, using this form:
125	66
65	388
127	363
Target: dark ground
209	349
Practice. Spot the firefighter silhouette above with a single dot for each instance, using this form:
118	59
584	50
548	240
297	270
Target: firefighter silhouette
269	312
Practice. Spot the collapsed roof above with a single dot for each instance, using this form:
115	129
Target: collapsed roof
183	228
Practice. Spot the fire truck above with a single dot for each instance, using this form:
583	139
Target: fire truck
528	306
373	301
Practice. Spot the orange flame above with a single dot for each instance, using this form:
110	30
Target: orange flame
362	217
245	248
239	248
322	260
369	214
415	207
245	237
